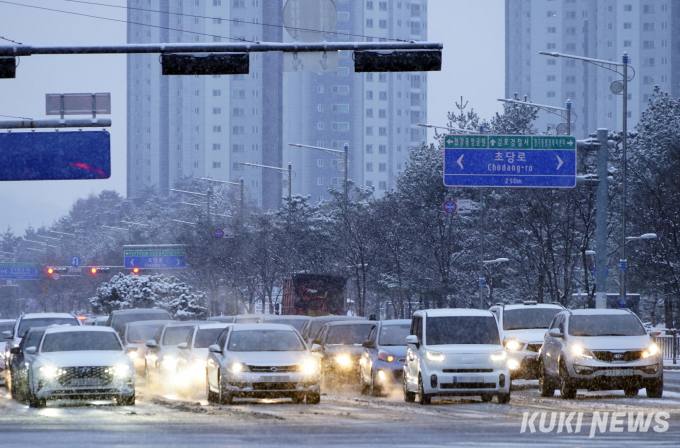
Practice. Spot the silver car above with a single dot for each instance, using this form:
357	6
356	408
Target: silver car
262	361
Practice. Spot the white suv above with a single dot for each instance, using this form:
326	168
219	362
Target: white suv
455	352
523	326
599	349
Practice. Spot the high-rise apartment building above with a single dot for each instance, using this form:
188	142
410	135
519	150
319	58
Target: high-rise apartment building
204	126
647	30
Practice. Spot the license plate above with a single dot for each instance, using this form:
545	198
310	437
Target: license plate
618	372
274	379
465	379
84	382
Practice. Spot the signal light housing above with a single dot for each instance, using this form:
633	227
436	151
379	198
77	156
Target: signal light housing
397	61
212	64
93	271
8	67
135	271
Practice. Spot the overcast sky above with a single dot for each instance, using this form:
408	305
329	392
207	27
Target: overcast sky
473	66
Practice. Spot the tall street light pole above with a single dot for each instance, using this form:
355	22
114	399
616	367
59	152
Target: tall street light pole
628	239
289	170
617	87
345	157
240	183
562	112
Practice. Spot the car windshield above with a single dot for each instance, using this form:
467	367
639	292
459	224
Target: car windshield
295	323
348	334
138	334
33	338
25	324
6	326
394	334
80	341
177	335
118	322
207	337
525	318
606	325
265	341
461	330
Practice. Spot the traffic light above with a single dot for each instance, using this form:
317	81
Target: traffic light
50	270
135	271
212	64
93	270
397	61
54	272
8	67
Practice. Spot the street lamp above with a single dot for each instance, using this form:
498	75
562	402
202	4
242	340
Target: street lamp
624	262
482	279
276	168
559	111
344	152
447	128
241	185
617	87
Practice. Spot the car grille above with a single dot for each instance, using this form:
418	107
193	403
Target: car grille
273	369
534	347
273	386
607	356
85	376
467	370
467	385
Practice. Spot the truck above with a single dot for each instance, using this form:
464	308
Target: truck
314	294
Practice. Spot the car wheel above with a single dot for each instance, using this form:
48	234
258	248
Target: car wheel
376	390
126	401
14	389
34	402
211	396
545	384
423	398
655	388
567	388
503	398
630	391
486	398
224	397
313	398
409	397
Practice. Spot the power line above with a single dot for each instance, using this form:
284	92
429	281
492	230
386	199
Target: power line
249	22
91	16
15	116
10	40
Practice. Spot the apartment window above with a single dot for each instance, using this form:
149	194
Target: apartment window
237	130
217	2
320	163
341	90
551	14
382	185
648	26
216	92
369	183
415	28
239	3
382	131
320	88
551	46
571	79
551	62
648	80
340	108
382	149
648	9
369	113
216	146
627	43
650	62
383	96
550	94
369	130
343	16
217	110
340	126
415	82
369	5
342	71
369	23
415	116
382	6
236	147
369	94
369	149
217	128
382	113
415	99
382	167
319	108
628	7
382	23
552	30
217	165
320	125
551	78
382	77
627	26
648	44
571	15
369	167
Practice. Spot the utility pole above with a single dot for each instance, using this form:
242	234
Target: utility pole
623	262
568	106
601	205
346	168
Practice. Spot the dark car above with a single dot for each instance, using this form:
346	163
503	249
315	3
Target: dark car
341	345
382	363
21	362
119	318
311	329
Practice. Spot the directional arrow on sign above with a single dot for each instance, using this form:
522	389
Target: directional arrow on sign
560	162
460	161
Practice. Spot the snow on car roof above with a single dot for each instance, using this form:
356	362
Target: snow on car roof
389	322
515	306
141	323
285	317
83	329
139	310
261	327
597	311
444	312
339	323
47	316
208	325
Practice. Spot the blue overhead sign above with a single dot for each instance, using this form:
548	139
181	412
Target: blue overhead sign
55	155
164	256
19	271
509	161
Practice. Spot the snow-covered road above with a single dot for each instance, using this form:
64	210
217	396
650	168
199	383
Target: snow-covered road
343	418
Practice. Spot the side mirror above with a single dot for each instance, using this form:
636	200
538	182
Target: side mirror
412	339
15	350
30	350
7	334
368	344
315	348
555	333
183	346
214	348
151	343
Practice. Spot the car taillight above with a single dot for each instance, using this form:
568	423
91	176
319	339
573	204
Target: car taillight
384	356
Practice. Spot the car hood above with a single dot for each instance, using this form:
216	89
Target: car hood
526	335
612	342
465	348
398	351
267	358
82	358
341	348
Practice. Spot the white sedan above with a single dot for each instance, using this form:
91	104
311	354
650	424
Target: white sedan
80	363
262	361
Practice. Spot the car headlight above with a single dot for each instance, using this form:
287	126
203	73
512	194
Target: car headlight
384	356
513	364
513	345
169	363
652	350
578	351
132	354
309	367
434	356
343	360
121	371
237	367
49	372
500	355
